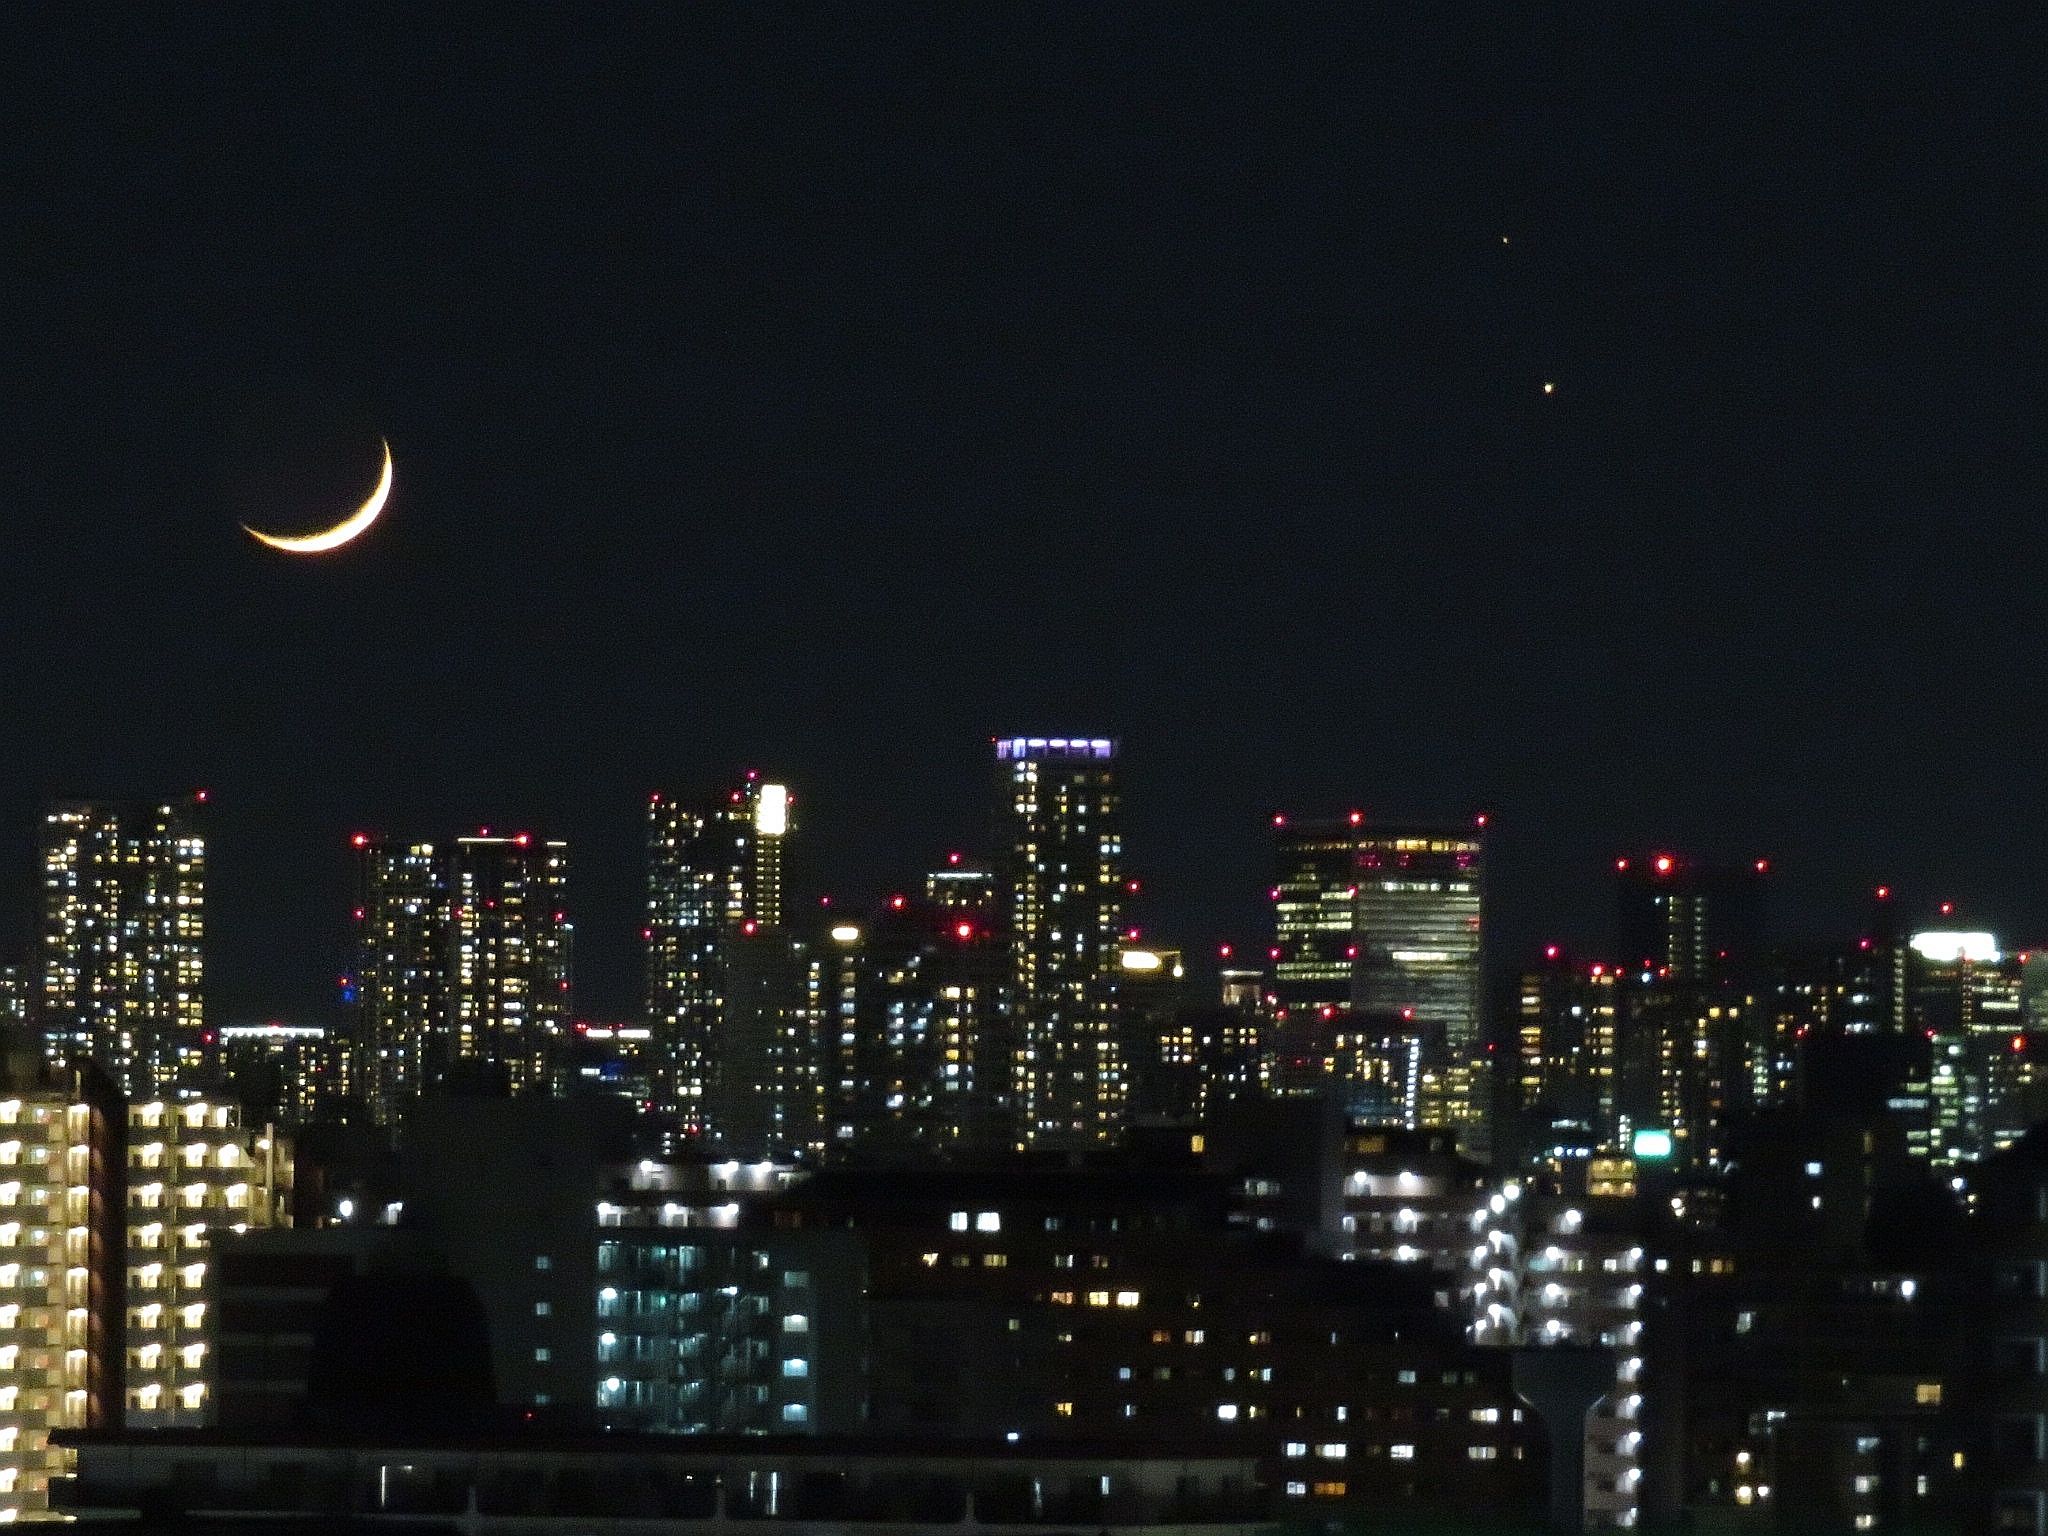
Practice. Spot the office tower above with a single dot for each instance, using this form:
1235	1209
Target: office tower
1385	921
509	959
961	888
912	1008
193	1172
1963	995
726	989
1381	1068
399	988
1566	1057
1060	864
1208	1059
61	1279
283	1074
124	917
462	965
1688	919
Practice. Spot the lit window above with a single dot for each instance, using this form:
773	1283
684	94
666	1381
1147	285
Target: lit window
1331	1450
1482	1452
1064	1410
1401	1452
1127	1298
542	1309
794	1368
796	1322
794	1413
541	1356
1227	1412
1295	1448
1329	1490
957	1221
988	1221
1098	1298
1928	1393
1297	1490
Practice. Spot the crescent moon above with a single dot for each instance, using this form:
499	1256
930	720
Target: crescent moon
341	532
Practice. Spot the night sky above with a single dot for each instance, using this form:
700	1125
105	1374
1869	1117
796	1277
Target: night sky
823	389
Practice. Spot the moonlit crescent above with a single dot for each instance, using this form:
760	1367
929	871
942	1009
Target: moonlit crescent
341	532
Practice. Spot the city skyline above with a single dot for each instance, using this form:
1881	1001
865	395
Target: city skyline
610	972
826	420
907	767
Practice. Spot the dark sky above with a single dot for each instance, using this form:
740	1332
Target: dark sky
826	388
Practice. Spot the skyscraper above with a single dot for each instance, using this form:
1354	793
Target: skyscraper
463	963
1059	848
124	918
509	959
1689	919
726	996
913	1016
1385	921
400	985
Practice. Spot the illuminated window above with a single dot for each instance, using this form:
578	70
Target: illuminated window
1928	1393
1482	1452
1227	1412
1332	1450
1401	1452
1098	1298
988	1221
1127	1298
1062	1298
1295	1448
1329	1490
1064	1410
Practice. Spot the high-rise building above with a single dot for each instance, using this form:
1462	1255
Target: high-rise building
960	888
509	957
287	1074
61	1279
193	1172
1983	1087
400	985
1059	846
915	1028
1567	1027
727	991
463	963
1689	919
1385	921
124	918
17	988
